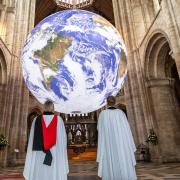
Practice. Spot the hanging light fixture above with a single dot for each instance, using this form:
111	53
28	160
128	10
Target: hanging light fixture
73	4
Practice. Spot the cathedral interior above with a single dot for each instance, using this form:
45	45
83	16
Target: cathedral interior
150	96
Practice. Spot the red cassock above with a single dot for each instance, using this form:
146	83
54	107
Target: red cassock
49	132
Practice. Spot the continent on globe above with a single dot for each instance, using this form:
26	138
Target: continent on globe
51	55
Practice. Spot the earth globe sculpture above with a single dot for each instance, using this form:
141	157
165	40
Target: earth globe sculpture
76	59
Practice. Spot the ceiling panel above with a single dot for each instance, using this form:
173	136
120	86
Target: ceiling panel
101	7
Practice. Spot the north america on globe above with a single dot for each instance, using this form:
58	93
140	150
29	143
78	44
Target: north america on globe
76	59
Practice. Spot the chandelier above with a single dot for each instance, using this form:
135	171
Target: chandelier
73	4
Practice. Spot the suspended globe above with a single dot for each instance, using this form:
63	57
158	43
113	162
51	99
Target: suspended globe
76	59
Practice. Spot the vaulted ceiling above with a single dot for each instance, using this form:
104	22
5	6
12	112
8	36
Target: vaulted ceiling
101	7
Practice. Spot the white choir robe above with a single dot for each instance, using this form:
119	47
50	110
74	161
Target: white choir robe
35	169
116	147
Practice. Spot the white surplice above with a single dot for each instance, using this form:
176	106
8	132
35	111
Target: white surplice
116	147
35	169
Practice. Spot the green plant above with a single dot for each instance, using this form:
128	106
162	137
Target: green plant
152	137
3	141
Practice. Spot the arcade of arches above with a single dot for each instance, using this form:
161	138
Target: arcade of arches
151	95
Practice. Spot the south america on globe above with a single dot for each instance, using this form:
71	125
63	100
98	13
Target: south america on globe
76	59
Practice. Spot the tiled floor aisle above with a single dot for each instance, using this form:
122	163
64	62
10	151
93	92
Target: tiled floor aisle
86	170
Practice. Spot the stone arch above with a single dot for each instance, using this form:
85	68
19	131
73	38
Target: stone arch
3	68
3	79
33	113
3	90
160	84
157	48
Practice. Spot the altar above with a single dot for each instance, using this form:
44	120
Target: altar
81	131
78	148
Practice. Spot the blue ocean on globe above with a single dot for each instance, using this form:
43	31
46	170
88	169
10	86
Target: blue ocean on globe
76	59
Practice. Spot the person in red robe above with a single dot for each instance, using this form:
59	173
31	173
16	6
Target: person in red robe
47	148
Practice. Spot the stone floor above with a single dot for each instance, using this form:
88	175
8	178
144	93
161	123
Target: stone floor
86	170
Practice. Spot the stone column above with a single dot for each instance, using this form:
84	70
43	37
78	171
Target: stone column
176	57
1	105
173	8
10	19
139	18
164	108
135	92
2	21
17	99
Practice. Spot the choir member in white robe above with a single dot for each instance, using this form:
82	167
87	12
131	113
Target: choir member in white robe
58	168
116	146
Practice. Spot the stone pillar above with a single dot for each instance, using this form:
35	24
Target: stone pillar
10	19
135	92
139	17
2	21
174	29
148	12
1	105
176	57
164	108
17	98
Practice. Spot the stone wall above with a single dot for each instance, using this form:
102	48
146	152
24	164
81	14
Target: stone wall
151	32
